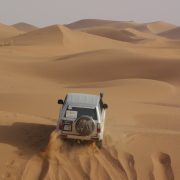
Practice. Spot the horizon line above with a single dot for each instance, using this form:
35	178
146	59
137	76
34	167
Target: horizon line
71	22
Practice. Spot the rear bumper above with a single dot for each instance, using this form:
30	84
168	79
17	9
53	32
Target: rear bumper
72	136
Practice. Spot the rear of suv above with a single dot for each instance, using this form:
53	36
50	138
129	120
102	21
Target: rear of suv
82	117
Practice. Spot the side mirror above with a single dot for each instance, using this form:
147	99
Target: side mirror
101	95
105	106
60	101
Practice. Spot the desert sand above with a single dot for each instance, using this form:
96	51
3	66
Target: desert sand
136	66
8	31
172	33
24	27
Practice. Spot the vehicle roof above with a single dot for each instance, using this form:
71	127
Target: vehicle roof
87	100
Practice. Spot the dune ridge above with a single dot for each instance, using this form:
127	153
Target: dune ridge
130	35
8	31
58	35
153	27
90	23
114	33
48	35
127	31
25	27
160	26
172	34
100	61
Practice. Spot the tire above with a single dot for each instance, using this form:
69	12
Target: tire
85	125
99	144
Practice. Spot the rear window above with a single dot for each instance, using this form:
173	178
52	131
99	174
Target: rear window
76	112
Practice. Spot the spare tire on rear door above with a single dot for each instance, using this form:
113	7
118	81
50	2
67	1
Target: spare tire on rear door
85	125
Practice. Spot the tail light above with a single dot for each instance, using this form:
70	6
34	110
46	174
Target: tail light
98	128
61	126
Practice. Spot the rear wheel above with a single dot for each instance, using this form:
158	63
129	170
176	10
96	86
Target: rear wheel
85	125
99	144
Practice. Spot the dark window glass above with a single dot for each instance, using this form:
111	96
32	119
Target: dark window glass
85	111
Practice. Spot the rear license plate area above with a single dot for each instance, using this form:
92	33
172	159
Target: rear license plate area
67	127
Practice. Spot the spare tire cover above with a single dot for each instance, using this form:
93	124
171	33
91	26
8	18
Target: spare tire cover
85	125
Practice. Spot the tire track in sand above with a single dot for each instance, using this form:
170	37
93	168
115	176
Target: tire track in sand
65	160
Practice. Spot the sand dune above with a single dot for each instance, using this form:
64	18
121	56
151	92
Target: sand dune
132	35
125	64
44	36
154	27
114	33
90	23
172	34
142	28
159	26
8	31
63	37
140	82
24	27
127	31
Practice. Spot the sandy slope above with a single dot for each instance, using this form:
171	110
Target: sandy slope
141	86
127	31
90	23
160	26
153	27
132	35
76	67
114	33
61	37
24	27
172	34
8	31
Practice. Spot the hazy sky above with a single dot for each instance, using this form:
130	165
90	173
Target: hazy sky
46	12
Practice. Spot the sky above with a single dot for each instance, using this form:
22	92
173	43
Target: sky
47	12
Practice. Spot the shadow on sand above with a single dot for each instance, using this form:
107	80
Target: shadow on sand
27	137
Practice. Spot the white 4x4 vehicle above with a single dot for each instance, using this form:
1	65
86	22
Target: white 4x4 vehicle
82	117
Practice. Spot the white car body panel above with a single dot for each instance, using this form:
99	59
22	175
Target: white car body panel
88	101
